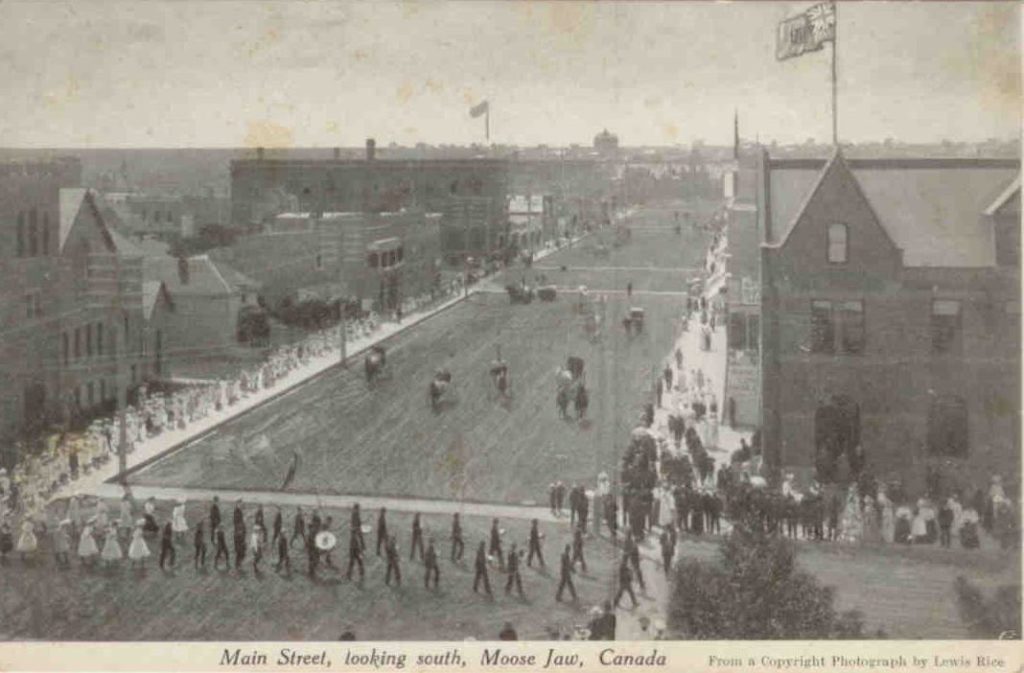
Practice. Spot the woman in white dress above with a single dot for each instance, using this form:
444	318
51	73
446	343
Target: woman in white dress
27	542
919	526
852	524
112	552
87	549
138	551
888	519
102	517
178	523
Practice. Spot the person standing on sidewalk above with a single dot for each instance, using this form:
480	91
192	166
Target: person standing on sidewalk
417	537
431	566
668	549
382	530
199	546
283	555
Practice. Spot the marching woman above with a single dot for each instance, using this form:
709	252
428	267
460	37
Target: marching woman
178	523
27	543
6	542
62	544
138	552
102	517
125	522
87	549
112	552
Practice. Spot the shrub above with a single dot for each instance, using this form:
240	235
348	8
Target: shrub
755	592
994	617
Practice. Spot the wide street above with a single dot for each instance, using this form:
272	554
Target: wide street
384	439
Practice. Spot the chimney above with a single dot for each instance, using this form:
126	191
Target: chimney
371	149
259	153
183	270
337	153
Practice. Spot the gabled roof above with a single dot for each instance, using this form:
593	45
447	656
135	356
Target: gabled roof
70	201
1011	190
205	277
932	209
151	291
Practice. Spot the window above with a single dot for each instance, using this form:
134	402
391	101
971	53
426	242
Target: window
851	327
90	394
21	234
33	234
822	330
46	233
319	262
88	340
135	372
837	243
156	216
65	344
947	427
400	254
372	260
78	343
99	338
103	390
945	326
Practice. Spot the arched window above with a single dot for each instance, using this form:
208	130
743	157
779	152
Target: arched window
33	234
947	427
21	234
46	233
837	243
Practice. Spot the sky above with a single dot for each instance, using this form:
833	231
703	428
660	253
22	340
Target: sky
230	74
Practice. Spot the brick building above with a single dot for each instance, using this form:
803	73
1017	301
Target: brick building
891	316
72	299
378	257
264	187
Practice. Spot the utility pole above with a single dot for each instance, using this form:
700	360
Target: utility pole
119	355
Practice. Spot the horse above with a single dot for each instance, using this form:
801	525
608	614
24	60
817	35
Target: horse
374	364
581	401
438	387
562	402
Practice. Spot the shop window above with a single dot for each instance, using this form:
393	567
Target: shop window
65	344
99	338
33	234
947	427
851	327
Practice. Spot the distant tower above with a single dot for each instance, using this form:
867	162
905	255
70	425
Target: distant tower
606	143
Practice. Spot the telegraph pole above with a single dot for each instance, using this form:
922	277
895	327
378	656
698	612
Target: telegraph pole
119	353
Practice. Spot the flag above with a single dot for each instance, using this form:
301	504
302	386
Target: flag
479	109
806	32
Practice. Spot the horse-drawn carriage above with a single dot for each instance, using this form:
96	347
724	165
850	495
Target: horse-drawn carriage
519	293
547	293
633	323
375	364
440	388
571	387
501	377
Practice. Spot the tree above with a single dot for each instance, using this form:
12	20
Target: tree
755	592
995	617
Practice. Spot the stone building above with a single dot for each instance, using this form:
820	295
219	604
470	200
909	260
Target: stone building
890	305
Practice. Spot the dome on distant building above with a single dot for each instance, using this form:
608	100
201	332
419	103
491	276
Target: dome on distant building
606	142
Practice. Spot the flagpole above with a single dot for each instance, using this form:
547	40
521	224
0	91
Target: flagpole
835	94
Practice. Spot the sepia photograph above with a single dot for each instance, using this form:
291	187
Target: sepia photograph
493	321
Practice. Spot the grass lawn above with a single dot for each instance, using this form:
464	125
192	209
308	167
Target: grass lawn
123	604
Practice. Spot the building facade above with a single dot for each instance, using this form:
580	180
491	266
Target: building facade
72	316
890	303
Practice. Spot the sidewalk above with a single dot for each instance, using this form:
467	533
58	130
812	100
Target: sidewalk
654	601
155	447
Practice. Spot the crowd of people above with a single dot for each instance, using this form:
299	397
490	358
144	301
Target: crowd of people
67	455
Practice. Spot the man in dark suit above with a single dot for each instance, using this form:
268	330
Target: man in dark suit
480	567
239	535
199	543
391	551
514	578
430	563
577	548
167	546
283	556
222	549
356	523
495	545
298	527
355	556
565	576
382	530
417	537
457	544
534	545
214	519
625	582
